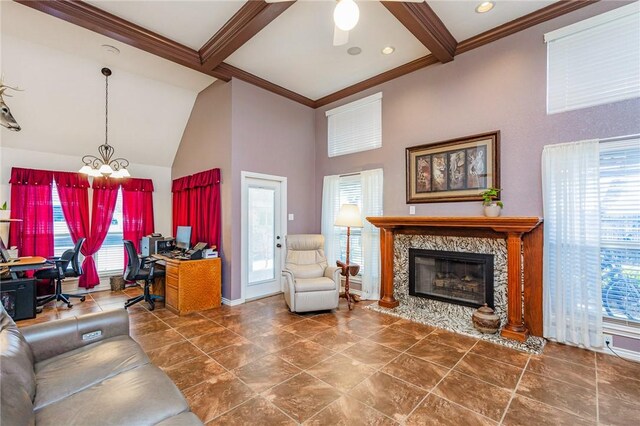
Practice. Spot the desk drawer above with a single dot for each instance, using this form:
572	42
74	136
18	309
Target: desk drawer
171	281
171	297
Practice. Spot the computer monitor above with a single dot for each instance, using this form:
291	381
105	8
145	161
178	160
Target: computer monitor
4	253
183	237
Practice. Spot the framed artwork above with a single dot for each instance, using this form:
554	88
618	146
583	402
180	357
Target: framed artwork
454	170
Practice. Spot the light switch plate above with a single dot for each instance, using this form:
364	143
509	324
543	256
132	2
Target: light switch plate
290	216
412	209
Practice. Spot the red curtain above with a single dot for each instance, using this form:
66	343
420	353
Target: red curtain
31	202
137	210
105	195
196	203
73	189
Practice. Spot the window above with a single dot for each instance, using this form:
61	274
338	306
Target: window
595	61
110	257
350	190
355	127
620	229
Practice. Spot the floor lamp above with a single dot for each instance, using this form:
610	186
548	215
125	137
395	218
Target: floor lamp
348	216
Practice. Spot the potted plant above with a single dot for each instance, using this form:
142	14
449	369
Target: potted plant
5	213
492	207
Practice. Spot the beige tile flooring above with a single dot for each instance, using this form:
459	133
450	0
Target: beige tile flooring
259	364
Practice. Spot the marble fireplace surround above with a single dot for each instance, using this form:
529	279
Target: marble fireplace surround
515	242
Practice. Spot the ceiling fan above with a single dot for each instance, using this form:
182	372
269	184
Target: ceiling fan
345	17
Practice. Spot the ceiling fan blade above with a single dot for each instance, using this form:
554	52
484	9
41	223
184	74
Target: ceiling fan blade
405	1
340	37
276	1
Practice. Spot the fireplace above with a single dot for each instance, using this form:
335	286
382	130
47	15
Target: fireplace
455	277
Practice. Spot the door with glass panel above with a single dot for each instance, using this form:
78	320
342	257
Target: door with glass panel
264	241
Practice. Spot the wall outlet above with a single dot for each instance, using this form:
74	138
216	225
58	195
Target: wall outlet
412	209
290	216
608	339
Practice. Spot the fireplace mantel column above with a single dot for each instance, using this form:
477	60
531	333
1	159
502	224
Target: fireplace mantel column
515	328
386	269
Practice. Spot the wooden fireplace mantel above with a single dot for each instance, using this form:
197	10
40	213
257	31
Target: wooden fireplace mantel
523	235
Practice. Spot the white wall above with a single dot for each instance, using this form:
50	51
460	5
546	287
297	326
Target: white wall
161	176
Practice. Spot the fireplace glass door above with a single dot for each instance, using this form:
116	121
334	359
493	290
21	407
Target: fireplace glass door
454	277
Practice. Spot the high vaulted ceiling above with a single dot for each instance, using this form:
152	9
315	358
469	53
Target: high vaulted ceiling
286	47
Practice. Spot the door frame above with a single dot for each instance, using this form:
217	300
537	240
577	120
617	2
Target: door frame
244	175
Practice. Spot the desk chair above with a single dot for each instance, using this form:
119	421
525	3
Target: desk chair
144	270
60	272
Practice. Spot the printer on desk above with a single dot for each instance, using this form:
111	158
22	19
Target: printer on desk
156	243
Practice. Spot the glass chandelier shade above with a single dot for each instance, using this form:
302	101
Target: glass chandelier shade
105	164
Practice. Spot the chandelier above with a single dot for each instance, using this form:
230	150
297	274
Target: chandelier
105	164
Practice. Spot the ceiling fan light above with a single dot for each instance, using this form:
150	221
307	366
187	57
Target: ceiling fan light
86	169
346	15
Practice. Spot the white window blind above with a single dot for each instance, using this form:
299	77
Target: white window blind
595	61
355	127
620	229
351	193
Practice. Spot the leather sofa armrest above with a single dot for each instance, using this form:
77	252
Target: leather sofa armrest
57	337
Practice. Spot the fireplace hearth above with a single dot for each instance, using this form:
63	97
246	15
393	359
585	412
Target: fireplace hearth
455	277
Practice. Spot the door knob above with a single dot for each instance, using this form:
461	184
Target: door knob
278	245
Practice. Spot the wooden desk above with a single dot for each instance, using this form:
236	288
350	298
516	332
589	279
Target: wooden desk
191	285
26	263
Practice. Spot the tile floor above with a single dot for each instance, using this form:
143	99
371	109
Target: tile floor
259	364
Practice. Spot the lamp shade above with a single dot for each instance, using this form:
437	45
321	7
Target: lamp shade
349	215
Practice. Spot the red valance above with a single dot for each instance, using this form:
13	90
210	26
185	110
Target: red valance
105	183
71	179
30	176
206	178
135	184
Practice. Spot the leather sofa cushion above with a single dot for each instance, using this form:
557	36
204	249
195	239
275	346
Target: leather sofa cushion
73	371
304	285
18	377
141	396
182	419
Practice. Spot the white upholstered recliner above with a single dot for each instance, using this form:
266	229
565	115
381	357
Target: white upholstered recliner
310	284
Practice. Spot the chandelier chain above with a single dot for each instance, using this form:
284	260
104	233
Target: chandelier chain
106	111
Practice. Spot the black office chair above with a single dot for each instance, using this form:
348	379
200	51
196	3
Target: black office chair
141	270
61	271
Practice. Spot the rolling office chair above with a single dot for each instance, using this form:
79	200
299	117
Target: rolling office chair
141	270
60	272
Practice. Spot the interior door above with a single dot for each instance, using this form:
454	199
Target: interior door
264	240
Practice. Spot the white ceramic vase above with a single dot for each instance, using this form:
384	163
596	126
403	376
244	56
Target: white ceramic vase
492	210
4	227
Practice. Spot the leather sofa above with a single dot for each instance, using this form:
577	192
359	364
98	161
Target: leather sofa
310	284
83	371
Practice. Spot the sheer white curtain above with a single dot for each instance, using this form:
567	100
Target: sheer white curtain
372	181
572	273
330	209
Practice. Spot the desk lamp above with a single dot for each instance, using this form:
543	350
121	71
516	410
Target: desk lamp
348	216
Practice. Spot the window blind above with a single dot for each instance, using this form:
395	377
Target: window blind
355	127
620	229
351	193
595	61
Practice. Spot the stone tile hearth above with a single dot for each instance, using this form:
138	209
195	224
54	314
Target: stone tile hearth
450	316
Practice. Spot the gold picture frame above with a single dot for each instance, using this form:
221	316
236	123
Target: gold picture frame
453	170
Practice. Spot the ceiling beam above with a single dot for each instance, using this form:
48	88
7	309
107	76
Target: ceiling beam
231	71
252	17
537	17
426	26
97	20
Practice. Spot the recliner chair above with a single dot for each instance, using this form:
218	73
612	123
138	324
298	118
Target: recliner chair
60	272
141	270
310	283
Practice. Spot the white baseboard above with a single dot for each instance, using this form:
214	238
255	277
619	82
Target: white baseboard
234	302
624	353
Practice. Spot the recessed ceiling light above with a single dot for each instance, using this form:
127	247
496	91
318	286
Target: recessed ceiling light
111	49
485	6
388	50
353	51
